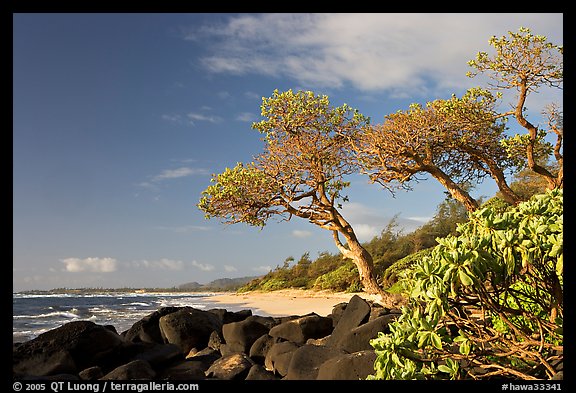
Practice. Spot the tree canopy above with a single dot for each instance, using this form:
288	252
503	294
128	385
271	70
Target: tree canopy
525	62
457	141
300	173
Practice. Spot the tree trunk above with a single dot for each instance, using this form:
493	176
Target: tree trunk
456	191
363	261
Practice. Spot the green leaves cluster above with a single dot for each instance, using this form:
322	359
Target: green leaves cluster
521	58
240	194
515	147
486	302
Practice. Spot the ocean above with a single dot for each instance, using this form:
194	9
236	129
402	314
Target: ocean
34	314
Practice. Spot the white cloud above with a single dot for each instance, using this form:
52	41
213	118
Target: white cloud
301	234
168	264
97	265
200	117
264	269
423	220
176	119
366	232
252	95
224	95
246	117
178	172
202	266
394	52
230	268
154	182
162	264
185	228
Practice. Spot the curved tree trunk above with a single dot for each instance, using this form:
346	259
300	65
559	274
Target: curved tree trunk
456	191
363	261
498	175
551	180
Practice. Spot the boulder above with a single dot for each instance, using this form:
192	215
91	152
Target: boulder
307	360
136	369
278	357
261	346
189	328
230	316
356	312
239	336
194	367
91	373
158	355
259	373
69	348
147	329
358	339
269	322
299	330
232	367
184	370
353	366
337	312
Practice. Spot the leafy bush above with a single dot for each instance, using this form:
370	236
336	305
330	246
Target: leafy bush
485	303
273	284
391	274
345	278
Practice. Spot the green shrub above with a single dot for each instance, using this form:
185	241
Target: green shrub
391	274
273	284
486	302
342	279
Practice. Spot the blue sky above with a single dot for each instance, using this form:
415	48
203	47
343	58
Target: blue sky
119	120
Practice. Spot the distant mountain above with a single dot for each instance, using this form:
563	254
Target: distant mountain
221	284
190	286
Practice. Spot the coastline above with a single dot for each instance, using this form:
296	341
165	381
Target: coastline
287	302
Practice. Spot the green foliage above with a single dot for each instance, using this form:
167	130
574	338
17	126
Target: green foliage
344	278
496	204
521	58
515	147
240	194
486	302
395	271
274	284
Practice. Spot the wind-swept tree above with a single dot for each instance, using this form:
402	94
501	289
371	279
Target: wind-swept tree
525	62
461	141
300	173
456	141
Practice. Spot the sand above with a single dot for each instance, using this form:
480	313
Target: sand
288	302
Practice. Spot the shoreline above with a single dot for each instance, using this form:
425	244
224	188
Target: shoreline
287	302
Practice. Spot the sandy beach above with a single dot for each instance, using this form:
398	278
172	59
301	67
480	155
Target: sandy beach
288	302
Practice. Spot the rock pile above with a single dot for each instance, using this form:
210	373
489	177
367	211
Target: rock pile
184	343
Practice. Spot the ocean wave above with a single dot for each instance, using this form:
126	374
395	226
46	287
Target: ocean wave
180	302
48	315
141	304
34	295
34	314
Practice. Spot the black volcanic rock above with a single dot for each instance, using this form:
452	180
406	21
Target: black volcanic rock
184	343
299	330
147	329
353	366
307	360
239	336
189	328
231	367
66	349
